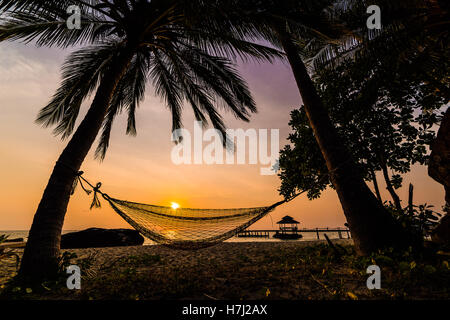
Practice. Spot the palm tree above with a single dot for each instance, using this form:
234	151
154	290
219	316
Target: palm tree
288	24
416	32
414	45
129	42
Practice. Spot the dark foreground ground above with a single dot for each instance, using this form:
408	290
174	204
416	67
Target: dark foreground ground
285	270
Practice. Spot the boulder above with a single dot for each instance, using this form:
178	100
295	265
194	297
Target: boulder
98	238
13	240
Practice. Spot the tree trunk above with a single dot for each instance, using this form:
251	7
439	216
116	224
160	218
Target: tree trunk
439	170
390	187
371	225
410	199
439	164
40	259
375	185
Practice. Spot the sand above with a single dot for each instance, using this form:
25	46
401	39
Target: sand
291	270
227	252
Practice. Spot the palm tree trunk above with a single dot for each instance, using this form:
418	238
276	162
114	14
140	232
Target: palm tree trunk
40	259
372	227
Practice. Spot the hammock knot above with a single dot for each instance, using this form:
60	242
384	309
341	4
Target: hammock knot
95	201
79	180
97	187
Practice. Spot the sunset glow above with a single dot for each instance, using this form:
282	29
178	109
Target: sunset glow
205	152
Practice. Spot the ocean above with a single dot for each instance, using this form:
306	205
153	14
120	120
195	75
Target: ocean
13	234
308	236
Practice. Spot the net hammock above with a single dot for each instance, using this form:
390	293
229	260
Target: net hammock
181	228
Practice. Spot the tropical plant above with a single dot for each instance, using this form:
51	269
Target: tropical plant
415	33
420	220
386	128
288	25
127	43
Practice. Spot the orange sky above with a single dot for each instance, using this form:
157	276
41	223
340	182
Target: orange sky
140	168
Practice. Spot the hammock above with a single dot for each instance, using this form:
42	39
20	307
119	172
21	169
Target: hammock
181	228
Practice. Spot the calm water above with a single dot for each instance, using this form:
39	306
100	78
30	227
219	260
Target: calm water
22	233
307	236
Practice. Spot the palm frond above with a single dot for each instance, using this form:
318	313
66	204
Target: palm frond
129	93
196	94
166	87
47	29
81	73
187	57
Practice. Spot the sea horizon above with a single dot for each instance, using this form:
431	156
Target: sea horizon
307	236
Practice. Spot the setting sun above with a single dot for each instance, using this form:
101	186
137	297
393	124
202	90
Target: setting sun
175	205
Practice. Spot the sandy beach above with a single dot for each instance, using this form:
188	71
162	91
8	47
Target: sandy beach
291	270
226	251
101	257
225	262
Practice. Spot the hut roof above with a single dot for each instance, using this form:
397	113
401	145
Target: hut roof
288	220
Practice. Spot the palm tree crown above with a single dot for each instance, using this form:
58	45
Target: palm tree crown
182	46
178	51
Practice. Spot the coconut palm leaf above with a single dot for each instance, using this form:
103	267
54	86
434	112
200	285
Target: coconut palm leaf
184	64
80	76
414	31
46	25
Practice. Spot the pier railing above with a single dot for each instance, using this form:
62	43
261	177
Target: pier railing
266	233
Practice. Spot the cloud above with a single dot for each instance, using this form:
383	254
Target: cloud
27	71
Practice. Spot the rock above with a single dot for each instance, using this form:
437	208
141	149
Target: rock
13	240
98	238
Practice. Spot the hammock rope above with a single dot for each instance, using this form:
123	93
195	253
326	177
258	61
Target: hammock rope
181	228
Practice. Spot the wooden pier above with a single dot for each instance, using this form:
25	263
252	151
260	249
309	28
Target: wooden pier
267	233
254	234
